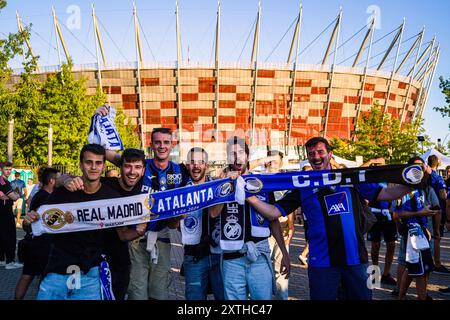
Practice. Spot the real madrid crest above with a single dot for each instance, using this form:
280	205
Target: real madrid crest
232	230
56	219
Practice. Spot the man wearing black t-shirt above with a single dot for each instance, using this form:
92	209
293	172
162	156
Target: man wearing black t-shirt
7	222
78	252
247	266
130	183
36	255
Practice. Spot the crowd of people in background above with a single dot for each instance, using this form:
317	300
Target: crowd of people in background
256	265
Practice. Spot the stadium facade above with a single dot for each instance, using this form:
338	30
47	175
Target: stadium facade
279	105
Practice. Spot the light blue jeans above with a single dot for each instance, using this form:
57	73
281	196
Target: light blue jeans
200	274
241	278
59	287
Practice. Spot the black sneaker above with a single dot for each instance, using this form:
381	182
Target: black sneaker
445	291
441	270
388	280
395	292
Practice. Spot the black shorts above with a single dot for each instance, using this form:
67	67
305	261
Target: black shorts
120	281
423	267
443	222
385	227
441	226
305	226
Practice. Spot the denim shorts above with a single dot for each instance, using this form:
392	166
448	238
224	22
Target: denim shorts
71	286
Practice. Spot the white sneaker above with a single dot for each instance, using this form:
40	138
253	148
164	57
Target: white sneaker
2	263
13	265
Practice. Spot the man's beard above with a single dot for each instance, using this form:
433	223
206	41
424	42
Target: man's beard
202	175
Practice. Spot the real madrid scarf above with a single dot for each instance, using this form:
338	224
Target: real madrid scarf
103	131
91	215
233	220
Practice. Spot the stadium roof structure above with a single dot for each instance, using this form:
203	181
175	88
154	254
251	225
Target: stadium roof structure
290	101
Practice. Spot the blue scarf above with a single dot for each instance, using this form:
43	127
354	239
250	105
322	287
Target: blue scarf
172	203
106	280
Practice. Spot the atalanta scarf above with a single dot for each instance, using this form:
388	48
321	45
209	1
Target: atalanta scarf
103	131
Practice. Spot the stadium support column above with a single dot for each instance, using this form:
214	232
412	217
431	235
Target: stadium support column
336	33
404	111
254	58
408	54
428	48
363	44
217	91
138	71
421	79
27	41
430	81
98	43
296	42
178	77
394	67
10	139
56	36
370	33
391	46
50	145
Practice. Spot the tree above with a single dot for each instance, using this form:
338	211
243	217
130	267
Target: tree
445	87
60	100
127	132
10	47
377	135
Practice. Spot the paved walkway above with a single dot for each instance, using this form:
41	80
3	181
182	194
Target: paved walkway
298	286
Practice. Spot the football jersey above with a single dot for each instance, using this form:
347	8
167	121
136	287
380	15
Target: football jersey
155	179
335	235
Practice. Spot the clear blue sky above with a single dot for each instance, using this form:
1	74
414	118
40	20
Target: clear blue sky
198	18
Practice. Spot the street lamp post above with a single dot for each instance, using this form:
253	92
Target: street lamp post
50	145
421	139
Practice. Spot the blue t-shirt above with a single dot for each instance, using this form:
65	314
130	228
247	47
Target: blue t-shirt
155	179
379	208
18	185
334	222
438	184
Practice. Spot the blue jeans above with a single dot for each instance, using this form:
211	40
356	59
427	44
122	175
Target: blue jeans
56	287
200	274
241	278
325	282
